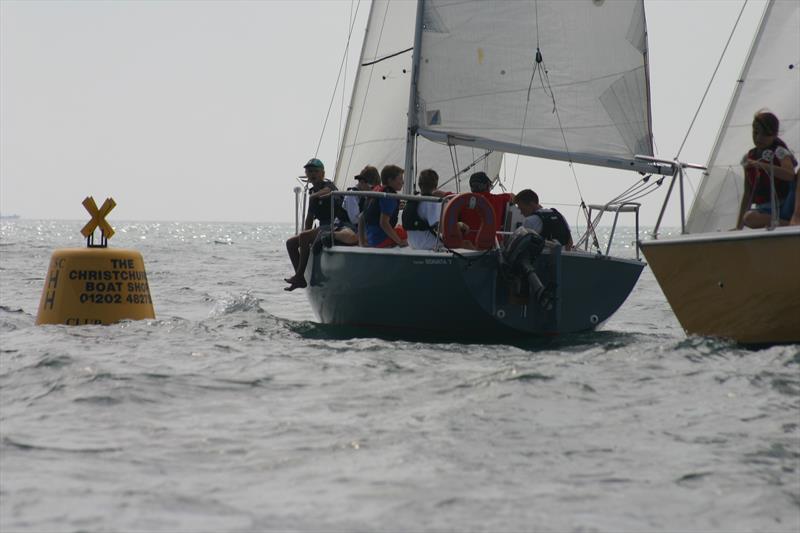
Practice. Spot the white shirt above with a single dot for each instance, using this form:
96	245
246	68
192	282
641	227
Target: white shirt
425	240
351	206
534	222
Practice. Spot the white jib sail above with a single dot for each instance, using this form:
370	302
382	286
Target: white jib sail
480	82
770	80
377	122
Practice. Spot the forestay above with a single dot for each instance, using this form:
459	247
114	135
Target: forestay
770	80
375	133
480	83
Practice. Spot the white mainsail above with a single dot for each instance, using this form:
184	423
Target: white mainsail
375	133
480	83
770	80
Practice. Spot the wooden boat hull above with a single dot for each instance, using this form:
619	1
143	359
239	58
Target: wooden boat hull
742	285
463	295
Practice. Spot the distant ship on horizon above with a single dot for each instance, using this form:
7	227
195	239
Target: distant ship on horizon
9	217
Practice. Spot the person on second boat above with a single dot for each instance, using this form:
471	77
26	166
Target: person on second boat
770	155
319	208
789	215
380	216
547	222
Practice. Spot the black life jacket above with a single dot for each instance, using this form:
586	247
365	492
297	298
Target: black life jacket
320	208
411	219
372	213
554	226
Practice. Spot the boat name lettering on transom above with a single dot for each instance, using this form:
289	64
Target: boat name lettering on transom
432	261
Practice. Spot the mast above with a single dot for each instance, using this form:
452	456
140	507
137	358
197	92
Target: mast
411	131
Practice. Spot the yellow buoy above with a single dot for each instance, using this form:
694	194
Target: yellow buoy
95	285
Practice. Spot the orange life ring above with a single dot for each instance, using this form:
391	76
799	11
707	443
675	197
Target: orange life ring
451	234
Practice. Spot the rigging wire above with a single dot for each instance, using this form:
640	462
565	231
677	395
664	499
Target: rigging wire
344	81
530	85
366	91
338	77
457	173
540	68
708	88
702	100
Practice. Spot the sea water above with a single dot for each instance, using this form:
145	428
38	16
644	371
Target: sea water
234	410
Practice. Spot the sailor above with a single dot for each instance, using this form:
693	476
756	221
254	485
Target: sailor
548	223
421	219
480	183
380	215
366	180
319	208
769	158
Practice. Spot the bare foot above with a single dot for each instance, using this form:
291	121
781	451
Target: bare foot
298	284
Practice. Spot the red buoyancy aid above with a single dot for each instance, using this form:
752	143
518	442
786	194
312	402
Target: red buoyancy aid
469	203
758	178
498	203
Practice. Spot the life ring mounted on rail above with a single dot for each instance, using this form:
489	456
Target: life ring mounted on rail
451	234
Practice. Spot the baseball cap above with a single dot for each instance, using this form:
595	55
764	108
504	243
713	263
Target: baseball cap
314	162
479	177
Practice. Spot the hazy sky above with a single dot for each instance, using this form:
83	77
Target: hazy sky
206	111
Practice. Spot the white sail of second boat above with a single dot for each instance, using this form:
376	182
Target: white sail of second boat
770	80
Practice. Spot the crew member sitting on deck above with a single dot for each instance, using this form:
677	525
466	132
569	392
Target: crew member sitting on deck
479	183
380	215
770	155
421	219
367	180
319	208
548	223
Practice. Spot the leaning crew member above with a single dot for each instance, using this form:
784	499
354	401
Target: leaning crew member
319	208
547	222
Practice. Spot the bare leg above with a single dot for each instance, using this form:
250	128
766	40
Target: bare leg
293	247
754	219
306	239
346	236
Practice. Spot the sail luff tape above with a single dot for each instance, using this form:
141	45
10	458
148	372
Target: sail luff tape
95	285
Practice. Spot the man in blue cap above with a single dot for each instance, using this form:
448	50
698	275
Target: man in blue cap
319	208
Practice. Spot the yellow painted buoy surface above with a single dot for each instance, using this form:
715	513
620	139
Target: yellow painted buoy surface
97	284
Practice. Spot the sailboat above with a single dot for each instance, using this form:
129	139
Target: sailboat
742	285
455	85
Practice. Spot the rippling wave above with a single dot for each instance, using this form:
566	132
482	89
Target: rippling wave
234	410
